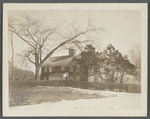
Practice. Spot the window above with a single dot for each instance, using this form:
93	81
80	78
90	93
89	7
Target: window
67	68
62	68
71	68
50	69
56	69
45	69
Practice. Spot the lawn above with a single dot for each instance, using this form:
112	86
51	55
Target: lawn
68	101
20	96
37	92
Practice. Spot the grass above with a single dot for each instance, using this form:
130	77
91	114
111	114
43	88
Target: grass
35	95
36	92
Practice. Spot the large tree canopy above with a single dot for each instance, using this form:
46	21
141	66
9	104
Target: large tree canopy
114	66
88	61
38	37
109	64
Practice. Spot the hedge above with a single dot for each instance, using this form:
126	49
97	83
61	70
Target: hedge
130	88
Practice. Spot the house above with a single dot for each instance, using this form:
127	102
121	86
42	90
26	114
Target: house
59	68
95	78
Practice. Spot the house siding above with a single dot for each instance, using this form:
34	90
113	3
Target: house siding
46	72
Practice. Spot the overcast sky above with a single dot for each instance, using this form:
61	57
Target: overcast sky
120	28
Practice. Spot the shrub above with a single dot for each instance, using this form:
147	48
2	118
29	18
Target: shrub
130	88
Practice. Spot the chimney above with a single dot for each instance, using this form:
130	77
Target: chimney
72	52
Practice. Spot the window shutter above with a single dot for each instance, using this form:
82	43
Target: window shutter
50	69
45	78
62	68
45	69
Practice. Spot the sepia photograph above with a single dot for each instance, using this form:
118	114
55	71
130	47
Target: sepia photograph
75	59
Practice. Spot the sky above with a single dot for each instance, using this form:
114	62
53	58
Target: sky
121	28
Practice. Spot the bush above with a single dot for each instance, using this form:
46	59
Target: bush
134	88
130	88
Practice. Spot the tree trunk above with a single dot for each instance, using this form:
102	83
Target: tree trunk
100	74
107	78
121	82
37	72
12	58
40	53
86	79
116	77
37	66
86	73
112	76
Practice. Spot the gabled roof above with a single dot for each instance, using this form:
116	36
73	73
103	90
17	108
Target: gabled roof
58	61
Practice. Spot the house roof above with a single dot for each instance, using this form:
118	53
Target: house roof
58	61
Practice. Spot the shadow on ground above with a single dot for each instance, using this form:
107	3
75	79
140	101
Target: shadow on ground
20	96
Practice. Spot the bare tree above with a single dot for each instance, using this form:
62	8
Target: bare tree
11	64
37	37
135	54
12	58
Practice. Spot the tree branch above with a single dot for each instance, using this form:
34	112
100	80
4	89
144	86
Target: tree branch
30	34
29	59
50	53
14	30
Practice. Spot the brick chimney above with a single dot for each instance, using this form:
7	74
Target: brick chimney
72	52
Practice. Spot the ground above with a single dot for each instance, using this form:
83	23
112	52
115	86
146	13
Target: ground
78	100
